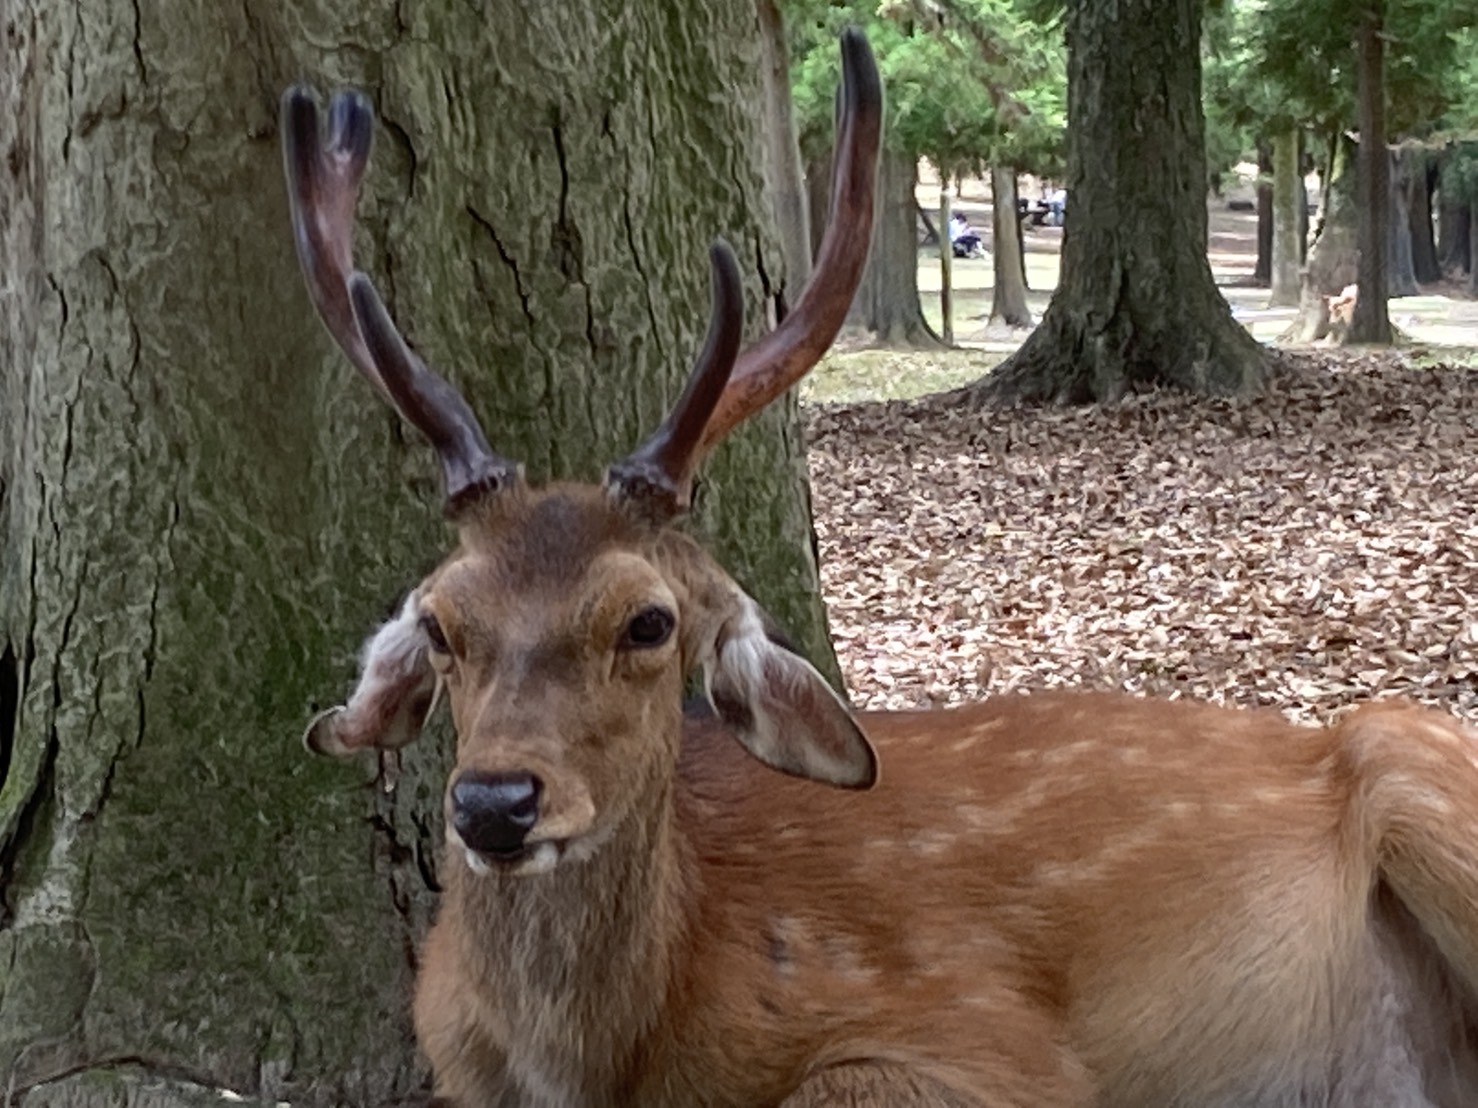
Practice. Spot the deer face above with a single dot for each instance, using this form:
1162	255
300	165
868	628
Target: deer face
562	632
565	625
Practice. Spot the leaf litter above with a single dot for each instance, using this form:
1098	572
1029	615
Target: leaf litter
1307	549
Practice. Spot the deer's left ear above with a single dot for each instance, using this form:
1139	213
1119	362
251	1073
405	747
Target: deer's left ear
781	709
396	692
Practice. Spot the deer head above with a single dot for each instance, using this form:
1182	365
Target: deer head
565	623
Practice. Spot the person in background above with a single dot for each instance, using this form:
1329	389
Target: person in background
964	240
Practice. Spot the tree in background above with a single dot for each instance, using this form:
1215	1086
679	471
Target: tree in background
201	511
1299	61
1136	305
973	85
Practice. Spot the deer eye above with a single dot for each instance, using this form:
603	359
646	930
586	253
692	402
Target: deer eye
434	634
648	628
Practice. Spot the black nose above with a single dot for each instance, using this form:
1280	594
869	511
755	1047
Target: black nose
493	812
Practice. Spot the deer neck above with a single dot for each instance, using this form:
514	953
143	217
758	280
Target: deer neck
582	958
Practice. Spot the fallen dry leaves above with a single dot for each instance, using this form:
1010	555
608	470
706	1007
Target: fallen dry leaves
1307	549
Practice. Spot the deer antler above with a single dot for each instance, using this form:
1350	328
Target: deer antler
721	393
658	474
323	185
788	353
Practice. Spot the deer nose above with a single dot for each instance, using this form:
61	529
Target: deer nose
493	813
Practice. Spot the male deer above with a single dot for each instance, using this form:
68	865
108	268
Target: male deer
1049	901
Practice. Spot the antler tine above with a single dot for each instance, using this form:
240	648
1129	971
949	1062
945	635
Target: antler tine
323	186
787	354
658	475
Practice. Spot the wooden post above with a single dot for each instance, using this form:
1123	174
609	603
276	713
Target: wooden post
946	260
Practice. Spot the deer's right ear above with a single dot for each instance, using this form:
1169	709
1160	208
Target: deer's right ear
396	692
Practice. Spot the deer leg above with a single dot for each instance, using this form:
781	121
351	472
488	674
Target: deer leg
1414	781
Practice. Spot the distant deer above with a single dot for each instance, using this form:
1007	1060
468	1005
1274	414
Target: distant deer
1054	900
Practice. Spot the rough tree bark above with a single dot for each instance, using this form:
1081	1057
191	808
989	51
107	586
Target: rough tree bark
1454	217
1422	170
202	511
1136	305
1371	322
1332	261
1008	295
887	302
785	178
1287	199
1458	242
1403	176
1262	268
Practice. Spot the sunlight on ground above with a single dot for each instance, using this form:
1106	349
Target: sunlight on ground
1437	328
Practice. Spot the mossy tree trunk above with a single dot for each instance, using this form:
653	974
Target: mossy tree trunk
1136	305
203	511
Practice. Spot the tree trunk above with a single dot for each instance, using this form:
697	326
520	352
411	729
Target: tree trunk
1457	198
1332	259
1371	322
1472	253
1456	220
202	510
931	232
1287	198
887	303
1303	215
1400	263
785	180
1423	172
1008	297
1262	269
1137	305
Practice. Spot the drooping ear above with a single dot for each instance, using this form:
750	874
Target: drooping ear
396	692
781	709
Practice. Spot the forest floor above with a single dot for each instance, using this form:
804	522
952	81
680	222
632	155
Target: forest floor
1309	548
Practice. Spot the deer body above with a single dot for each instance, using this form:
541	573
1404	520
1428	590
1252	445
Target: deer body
1049	902
1062	899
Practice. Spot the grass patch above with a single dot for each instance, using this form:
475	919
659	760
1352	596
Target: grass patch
1430	356
866	375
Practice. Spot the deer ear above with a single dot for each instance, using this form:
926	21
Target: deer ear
781	709
396	692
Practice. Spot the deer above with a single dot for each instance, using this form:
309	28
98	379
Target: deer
1060	900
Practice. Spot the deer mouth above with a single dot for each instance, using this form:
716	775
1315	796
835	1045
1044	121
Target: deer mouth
529	860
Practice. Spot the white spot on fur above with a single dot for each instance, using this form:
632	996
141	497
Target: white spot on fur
544	858
931	842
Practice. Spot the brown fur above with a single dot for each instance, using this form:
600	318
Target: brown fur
1055	900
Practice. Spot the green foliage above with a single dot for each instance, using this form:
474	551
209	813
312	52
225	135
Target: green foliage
970	82
1275	64
1460	170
